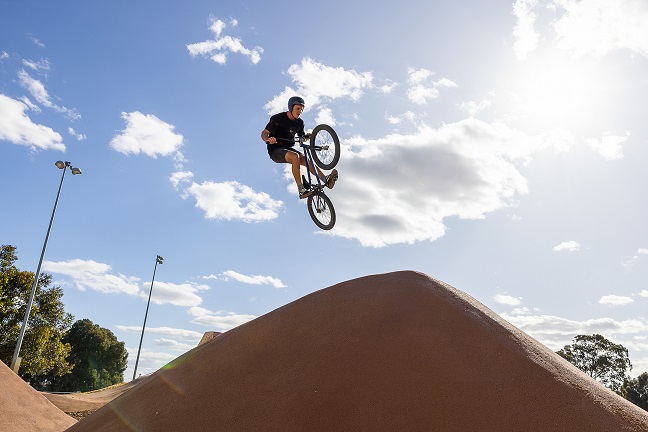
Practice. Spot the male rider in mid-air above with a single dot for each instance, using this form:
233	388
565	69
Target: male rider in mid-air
279	135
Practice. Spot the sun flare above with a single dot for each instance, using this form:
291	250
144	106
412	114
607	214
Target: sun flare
553	91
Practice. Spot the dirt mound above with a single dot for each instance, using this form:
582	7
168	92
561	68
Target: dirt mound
208	337
392	352
23	409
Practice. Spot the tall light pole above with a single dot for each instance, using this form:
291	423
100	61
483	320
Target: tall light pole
15	362
158	260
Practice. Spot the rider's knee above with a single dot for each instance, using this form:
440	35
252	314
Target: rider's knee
292	158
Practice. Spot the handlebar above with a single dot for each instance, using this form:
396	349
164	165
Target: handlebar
300	139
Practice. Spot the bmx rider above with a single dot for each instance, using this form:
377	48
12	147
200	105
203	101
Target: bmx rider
279	135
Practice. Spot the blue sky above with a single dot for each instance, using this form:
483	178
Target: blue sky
500	147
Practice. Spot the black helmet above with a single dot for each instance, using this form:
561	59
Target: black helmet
295	100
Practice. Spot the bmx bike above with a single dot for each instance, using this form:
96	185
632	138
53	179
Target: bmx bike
323	150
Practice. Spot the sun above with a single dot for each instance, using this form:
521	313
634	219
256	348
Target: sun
555	91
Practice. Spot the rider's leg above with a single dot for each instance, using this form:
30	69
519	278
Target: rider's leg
294	159
320	174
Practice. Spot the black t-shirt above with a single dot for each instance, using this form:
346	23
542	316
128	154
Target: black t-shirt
281	127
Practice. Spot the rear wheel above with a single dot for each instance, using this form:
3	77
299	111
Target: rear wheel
321	210
327	152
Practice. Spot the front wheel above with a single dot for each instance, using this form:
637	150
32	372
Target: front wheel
321	210
325	146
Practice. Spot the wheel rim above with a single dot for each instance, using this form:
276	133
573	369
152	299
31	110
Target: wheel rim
321	211
325	139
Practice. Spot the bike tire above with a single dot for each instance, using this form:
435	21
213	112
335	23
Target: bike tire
321	210
324	135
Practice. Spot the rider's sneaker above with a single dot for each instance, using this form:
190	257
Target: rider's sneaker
331	179
304	193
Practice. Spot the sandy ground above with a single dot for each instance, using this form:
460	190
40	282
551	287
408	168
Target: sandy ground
81	405
392	352
23	409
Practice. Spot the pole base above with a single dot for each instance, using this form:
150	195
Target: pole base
16	366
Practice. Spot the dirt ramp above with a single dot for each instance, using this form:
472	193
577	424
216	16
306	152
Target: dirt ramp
23	409
391	352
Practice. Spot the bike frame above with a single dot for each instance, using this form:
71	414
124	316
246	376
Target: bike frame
310	163
309	160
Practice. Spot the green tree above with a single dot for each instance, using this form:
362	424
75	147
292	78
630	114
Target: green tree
636	391
42	350
99	359
599	358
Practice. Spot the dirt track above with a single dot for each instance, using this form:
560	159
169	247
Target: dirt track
81	405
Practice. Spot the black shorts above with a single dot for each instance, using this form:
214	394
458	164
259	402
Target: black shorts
279	155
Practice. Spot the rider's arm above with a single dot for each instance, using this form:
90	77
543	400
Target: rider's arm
265	136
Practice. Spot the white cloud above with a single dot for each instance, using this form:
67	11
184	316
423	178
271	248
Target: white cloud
198	311
254	280
174	294
180	177
4	55
36	88
609	146
398	189
218	48
149	361
394	120
473	108
570	246
325	116
524	32
233	201
75	134
556	332
18	128
387	88
615	300
220	321
187	335
508	300
38	91
420	91
318	84
37	42
598	27
174	345
147	134
630	262
407	116
521	311
89	274
42	65
644	293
